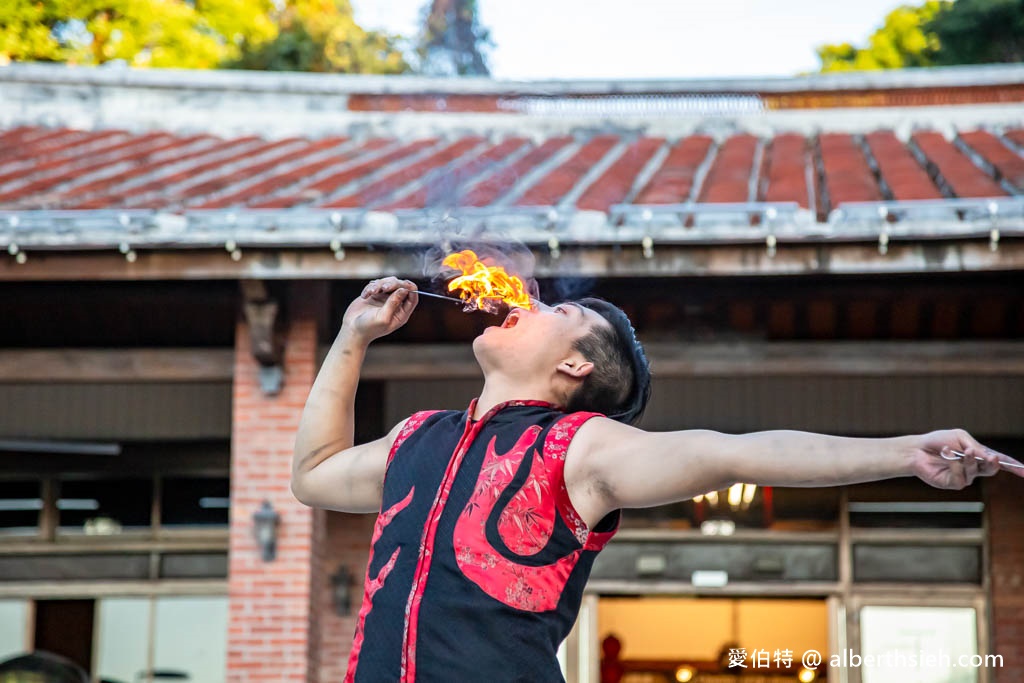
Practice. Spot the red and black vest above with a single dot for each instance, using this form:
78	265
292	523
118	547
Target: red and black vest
478	558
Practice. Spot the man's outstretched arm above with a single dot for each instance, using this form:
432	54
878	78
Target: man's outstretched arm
617	466
328	471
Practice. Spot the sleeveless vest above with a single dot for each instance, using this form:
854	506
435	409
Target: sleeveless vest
478	559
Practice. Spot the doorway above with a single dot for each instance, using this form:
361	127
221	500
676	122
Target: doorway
656	639
64	627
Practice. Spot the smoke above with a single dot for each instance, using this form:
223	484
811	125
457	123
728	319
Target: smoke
569	288
492	246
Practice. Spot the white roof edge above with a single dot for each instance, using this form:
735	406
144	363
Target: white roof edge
951	77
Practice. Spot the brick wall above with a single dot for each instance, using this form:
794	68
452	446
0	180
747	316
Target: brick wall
1006	512
272	631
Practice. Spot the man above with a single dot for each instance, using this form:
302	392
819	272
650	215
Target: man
490	518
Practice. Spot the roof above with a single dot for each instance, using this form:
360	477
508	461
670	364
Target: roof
84	163
61	168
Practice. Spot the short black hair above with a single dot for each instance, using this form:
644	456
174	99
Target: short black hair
620	384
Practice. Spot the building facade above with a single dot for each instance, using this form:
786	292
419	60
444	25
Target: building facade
839	254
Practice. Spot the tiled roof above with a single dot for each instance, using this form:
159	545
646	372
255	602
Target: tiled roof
43	168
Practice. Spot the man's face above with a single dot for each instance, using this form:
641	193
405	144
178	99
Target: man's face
535	341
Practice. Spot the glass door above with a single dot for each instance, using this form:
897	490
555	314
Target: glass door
923	640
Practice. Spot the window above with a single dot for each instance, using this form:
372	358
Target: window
188	637
195	501
21	503
191	637
105	506
13	628
907	503
752	507
910	635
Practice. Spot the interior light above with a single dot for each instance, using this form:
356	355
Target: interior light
735	495
748	494
684	674
807	675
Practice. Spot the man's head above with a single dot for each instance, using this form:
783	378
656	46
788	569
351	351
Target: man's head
584	353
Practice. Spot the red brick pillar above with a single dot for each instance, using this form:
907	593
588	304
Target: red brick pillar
1006	543
273	627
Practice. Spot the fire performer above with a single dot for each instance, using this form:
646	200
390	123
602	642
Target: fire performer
490	518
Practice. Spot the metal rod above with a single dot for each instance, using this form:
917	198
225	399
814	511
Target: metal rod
1001	462
440	296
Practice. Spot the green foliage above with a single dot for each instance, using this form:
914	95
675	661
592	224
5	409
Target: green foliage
904	40
322	35
980	32
306	35
939	32
160	33
452	41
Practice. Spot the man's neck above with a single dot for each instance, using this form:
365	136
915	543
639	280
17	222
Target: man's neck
499	390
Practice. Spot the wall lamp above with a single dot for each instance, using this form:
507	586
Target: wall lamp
265	522
341	591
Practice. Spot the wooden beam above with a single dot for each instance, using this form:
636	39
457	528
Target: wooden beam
117	365
668	260
685	359
96	589
456	361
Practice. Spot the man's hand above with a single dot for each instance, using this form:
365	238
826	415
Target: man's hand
933	460
383	307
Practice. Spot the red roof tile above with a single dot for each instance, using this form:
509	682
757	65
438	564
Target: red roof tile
614	184
550	189
490	189
163	169
904	176
1015	135
1008	165
728	179
784	177
72	169
672	183
62	173
956	169
325	187
258	183
390	184
456	177
848	177
217	174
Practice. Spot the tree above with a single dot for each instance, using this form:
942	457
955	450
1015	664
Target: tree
904	40
980	32
322	35
159	33
453	42
304	35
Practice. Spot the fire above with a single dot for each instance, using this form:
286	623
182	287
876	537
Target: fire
483	285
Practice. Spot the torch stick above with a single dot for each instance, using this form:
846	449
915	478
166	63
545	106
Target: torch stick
964	455
439	296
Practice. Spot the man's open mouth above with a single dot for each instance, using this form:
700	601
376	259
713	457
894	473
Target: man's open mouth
511	319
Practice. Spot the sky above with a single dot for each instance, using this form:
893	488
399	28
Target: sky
652	38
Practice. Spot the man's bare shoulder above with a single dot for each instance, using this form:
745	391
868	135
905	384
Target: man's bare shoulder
597	434
586	465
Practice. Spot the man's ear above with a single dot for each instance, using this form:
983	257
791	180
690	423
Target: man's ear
577	368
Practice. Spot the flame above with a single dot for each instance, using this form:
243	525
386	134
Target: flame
483	285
